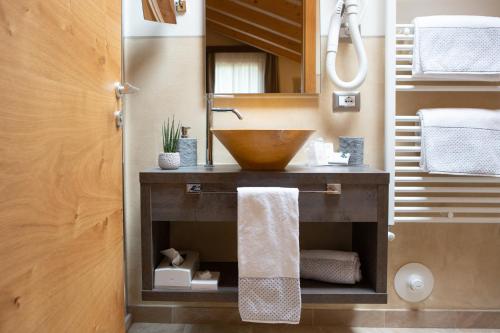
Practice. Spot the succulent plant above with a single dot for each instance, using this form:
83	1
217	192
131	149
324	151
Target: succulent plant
171	133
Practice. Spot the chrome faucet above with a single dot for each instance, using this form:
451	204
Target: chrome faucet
210	120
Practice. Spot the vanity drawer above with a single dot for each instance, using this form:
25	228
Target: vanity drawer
218	202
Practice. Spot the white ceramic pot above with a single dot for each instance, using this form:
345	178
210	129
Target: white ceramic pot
169	161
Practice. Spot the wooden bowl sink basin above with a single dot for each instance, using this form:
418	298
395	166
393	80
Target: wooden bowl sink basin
263	149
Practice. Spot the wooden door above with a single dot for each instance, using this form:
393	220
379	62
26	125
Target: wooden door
61	233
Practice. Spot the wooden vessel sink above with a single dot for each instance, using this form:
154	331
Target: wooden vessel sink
263	149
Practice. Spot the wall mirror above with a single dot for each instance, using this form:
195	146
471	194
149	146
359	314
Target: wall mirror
262	46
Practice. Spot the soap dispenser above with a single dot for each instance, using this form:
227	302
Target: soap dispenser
188	148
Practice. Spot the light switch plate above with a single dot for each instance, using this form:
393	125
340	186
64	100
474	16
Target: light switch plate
346	101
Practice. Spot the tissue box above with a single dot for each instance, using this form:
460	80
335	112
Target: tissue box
167	276
205	284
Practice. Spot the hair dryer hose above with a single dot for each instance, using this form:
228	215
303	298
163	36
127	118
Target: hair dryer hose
352	11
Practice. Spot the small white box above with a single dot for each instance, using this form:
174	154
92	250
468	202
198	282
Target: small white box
167	276
205	284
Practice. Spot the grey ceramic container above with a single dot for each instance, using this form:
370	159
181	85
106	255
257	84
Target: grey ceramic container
354	146
188	149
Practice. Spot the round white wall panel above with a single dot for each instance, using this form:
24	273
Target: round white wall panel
414	282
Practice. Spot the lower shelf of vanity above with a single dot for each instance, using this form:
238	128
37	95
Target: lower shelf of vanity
312	291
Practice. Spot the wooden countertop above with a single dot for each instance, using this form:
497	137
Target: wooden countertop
233	168
363	174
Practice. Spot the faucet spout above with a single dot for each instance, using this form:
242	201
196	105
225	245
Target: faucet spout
240	117
209	123
235	111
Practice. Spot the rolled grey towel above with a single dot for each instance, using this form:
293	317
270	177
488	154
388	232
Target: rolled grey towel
330	266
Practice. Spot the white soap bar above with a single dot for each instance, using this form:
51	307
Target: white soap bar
340	158
167	276
200	283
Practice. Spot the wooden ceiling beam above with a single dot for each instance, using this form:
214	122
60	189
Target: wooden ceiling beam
252	40
252	30
290	10
259	18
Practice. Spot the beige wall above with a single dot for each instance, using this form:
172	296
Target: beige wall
169	71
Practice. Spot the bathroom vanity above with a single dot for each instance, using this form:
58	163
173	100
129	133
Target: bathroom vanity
352	200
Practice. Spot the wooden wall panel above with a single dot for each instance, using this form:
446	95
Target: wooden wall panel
253	41
61	237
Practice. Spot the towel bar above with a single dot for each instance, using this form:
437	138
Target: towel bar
331	189
403	38
422	197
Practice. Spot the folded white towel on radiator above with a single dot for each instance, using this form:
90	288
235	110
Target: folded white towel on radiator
268	255
460	141
457	48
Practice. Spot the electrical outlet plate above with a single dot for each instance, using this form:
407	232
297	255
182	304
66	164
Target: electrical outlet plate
346	101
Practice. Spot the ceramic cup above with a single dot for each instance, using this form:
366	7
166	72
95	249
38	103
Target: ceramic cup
169	161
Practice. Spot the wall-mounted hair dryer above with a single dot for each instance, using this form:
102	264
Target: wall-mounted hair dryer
351	9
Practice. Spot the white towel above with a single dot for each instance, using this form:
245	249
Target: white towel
268	255
457	48
460	141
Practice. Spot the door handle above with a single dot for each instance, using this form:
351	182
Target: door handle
124	89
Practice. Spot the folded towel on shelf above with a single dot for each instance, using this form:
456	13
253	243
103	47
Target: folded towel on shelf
457	48
330	266
460	141
268	255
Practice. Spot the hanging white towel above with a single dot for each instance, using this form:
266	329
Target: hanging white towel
460	141
457	48
268	255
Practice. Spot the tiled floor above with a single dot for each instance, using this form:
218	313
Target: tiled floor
183	328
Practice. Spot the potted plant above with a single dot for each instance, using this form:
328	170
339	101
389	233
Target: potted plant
170	158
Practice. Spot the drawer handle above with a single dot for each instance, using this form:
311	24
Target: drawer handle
334	189
331	189
193	188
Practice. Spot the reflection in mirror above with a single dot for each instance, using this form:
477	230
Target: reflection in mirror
262	46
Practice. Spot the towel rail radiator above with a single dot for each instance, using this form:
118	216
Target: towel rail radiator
404	40
415	195
423	197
